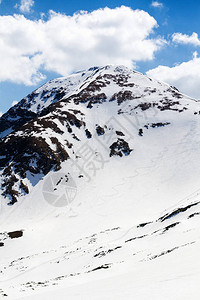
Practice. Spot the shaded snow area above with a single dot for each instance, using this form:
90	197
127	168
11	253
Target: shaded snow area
100	195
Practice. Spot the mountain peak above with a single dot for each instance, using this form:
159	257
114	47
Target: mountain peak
45	128
101	168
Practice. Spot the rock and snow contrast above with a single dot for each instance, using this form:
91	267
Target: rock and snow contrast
100	195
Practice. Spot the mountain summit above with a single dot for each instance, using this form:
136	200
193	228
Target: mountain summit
101	173
47	127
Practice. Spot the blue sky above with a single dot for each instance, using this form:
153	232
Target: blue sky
37	45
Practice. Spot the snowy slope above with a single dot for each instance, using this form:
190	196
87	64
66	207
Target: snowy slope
107	192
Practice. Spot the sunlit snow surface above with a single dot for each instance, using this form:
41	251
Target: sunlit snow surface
130	232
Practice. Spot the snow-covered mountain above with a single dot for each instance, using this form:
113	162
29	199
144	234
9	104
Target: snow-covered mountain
101	173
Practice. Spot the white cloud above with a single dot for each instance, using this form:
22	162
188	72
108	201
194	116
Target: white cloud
1	114
185	76
64	43
25	6
156	4
180	38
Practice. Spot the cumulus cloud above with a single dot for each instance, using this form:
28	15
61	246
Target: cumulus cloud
25	6
180	38
156	4
185	76
64	43
1	114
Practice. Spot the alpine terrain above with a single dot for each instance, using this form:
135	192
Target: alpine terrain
100	190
